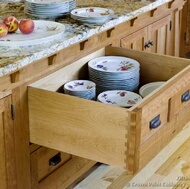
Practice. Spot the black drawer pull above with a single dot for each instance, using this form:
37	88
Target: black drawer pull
154	123
151	43
55	159
185	96
147	45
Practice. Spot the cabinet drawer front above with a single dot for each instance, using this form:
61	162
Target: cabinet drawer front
101	132
167	103
47	160
180	100
154	116
67	174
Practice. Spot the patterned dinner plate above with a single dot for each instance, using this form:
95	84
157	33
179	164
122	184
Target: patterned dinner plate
120	98
114	64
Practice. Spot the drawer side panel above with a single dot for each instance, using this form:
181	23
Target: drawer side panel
81	127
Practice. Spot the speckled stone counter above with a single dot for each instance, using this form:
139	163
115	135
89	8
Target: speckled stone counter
75	32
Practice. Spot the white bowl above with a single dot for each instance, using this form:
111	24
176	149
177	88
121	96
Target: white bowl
79	85
81	88
149	87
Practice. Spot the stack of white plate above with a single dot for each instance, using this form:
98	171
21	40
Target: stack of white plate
49	8
114	73
120	98
92	15
81	88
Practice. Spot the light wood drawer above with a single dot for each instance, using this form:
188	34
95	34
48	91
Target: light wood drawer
105	133
44	161
180	100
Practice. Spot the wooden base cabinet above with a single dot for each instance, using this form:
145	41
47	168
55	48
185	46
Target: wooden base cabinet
162	32
155	37
185	33
129	138
7	158
89	130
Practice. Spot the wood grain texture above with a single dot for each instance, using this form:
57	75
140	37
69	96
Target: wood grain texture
8	166
21	137
43	155
90	130
84	123
162	137
76	70
3	174
169	169
78	126
160	31
9	145
40	168
47	65
67	174
155	32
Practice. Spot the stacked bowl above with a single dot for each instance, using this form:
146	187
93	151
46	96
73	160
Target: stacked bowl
81	88
148	88
114	73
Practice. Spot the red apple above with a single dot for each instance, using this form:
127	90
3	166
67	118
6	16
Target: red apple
3	30
26	26
12	23
90	10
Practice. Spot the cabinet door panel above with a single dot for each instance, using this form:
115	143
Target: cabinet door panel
155	38
7	158
3	175
176	22
135	40
159	33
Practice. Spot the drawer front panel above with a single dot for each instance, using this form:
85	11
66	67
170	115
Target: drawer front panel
162	137
70	172
161	102
180	100
166	103
154	116
47	161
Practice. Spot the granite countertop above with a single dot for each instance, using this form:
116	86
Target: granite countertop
124	10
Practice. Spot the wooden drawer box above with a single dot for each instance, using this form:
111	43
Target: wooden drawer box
108	134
